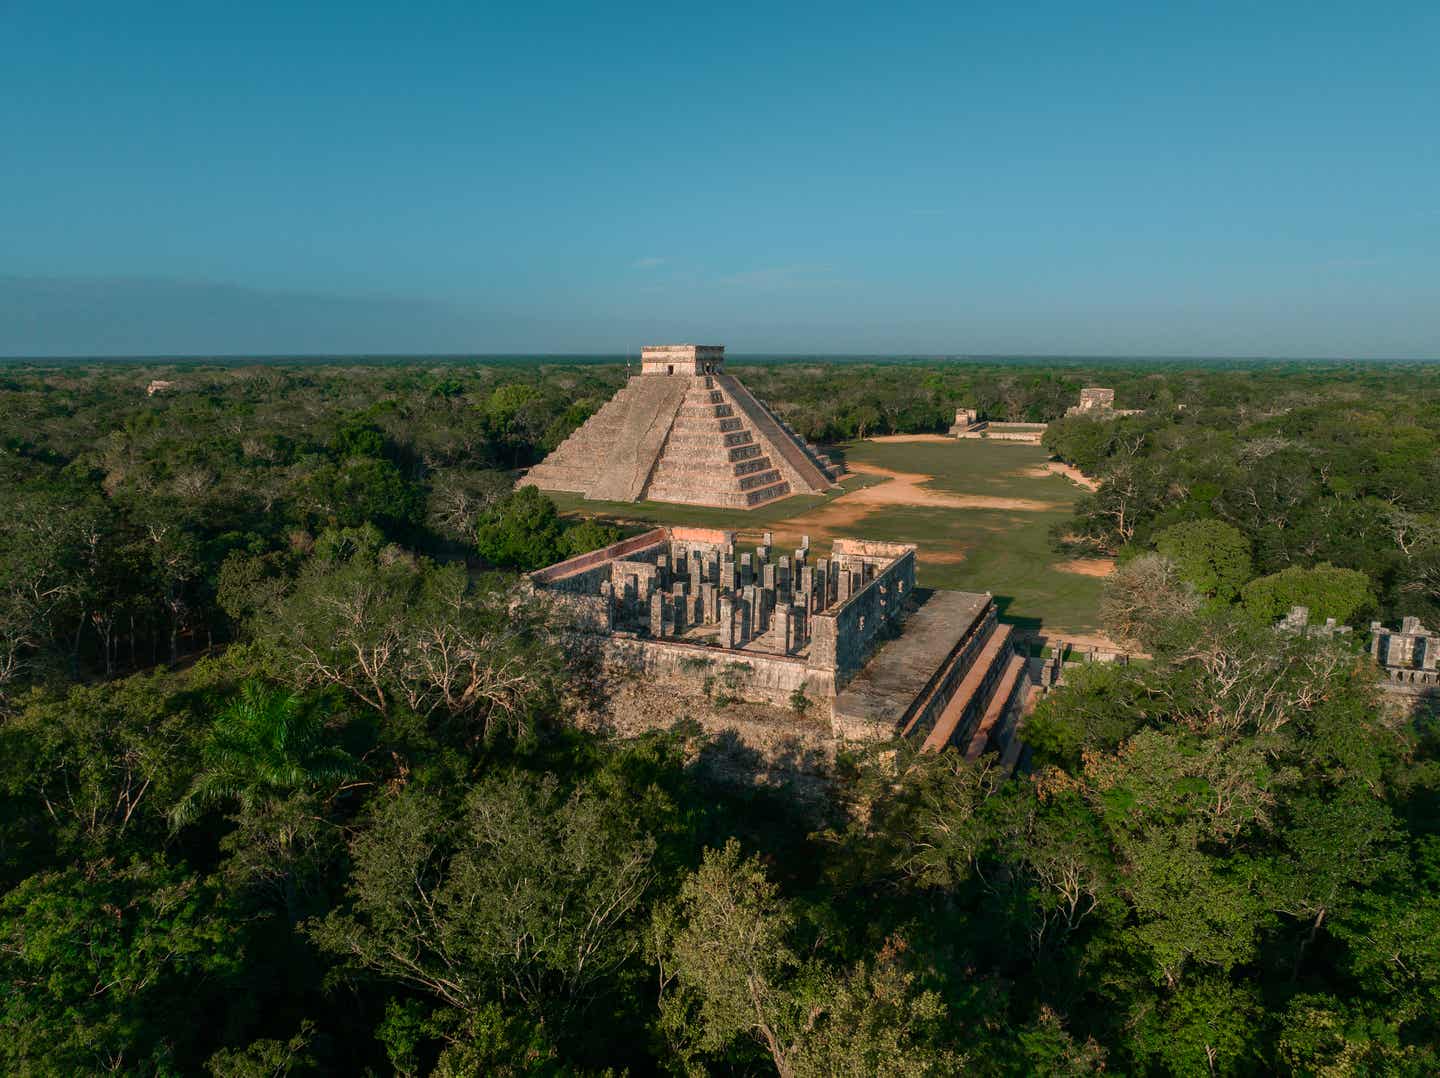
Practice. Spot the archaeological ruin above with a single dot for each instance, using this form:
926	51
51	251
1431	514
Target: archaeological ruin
685	431
1095	403
1408	657
1099	403
846	638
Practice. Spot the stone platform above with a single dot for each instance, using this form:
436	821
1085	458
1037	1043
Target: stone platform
879	701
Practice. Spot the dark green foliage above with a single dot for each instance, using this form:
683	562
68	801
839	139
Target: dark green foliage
110	968
588	535
1342	594
523	531
353	827
1211	556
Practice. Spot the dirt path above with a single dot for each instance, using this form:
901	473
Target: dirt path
1086	566
1085	640
906	488
899	489
1055	467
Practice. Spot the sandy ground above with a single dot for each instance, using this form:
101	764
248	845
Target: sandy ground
900	489
1051	634
1086	566
1075	475
905	488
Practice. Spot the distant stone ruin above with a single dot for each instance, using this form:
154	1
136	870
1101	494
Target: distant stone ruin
872	656
685	431
1095	402
1099	403
968	424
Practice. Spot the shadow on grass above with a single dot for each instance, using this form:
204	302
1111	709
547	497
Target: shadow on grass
1029	625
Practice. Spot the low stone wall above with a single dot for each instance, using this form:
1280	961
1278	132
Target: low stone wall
1003	432
571	574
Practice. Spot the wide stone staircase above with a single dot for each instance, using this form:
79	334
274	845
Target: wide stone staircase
981	709
804	465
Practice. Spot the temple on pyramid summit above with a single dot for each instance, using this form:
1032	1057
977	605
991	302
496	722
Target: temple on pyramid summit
685	431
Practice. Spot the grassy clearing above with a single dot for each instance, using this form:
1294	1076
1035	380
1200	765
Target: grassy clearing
1005	552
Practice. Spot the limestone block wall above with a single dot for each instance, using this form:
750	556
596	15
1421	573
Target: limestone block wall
688	359
757	677
841	638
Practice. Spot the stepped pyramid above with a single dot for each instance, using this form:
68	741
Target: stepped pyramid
684	431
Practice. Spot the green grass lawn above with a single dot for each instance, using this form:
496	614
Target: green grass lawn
1002	551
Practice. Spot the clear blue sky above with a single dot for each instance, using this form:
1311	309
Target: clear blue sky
1149	178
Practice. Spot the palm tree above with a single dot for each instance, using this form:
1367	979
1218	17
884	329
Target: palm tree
266	746
267	755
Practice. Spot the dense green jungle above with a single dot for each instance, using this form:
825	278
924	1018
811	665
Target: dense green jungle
290	785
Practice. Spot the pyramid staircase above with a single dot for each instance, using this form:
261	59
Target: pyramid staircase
692	439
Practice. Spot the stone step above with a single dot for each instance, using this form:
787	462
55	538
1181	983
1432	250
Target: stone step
999	704
952	721
767	494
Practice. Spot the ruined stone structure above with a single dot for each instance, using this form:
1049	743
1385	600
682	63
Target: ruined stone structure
685	431
1099	403
968	424
1408	657
849	632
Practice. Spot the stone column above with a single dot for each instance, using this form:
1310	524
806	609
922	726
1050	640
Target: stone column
657	614
747	570
784	629
707	597
822	584
782	579
607	605
727	574
727	621
682	606
767	578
